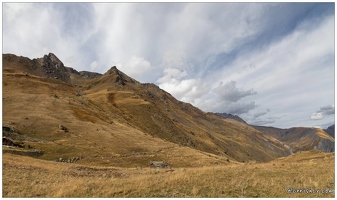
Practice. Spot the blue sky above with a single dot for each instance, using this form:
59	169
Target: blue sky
270	63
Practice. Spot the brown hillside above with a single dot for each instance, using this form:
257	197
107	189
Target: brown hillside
301	138
112	118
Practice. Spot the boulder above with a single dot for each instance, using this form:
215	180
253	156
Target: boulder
159	164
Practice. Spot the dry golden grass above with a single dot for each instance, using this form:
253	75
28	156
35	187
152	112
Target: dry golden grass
28	177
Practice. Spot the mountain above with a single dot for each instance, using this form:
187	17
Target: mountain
330	130
85	134
301	138
112	119
230	116
48	66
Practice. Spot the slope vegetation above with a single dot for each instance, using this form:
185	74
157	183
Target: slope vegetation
115	119
301	138
294	176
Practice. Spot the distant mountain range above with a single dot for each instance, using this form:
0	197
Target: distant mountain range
301	138
114	117
330	130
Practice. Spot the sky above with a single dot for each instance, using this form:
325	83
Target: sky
272	64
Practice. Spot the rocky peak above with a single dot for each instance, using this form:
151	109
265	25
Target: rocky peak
120	77
52	67
52	57
113	70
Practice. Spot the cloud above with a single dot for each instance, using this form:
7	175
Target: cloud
35	29
171	74
259	114
174	59
135	67
240	108
324	111
187	90
93	65
263	117
258	121
325	125
316	116
229	91
328	110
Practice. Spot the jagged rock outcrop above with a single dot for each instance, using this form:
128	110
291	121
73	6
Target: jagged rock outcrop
70	160
52	67
159	164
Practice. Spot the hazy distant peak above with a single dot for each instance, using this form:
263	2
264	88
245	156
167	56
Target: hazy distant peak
230	116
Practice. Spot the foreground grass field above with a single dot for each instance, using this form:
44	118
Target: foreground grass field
306	174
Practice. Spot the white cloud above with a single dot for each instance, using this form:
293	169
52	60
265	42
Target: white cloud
229	91
93	65
324	111
290	75
174	59
36	31
187	90
316	116
171	75
136	67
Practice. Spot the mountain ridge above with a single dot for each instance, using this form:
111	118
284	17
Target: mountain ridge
297	138
230	116
105	103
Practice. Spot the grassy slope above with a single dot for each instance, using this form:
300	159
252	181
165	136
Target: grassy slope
100	133
29	177
297	138
115	115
